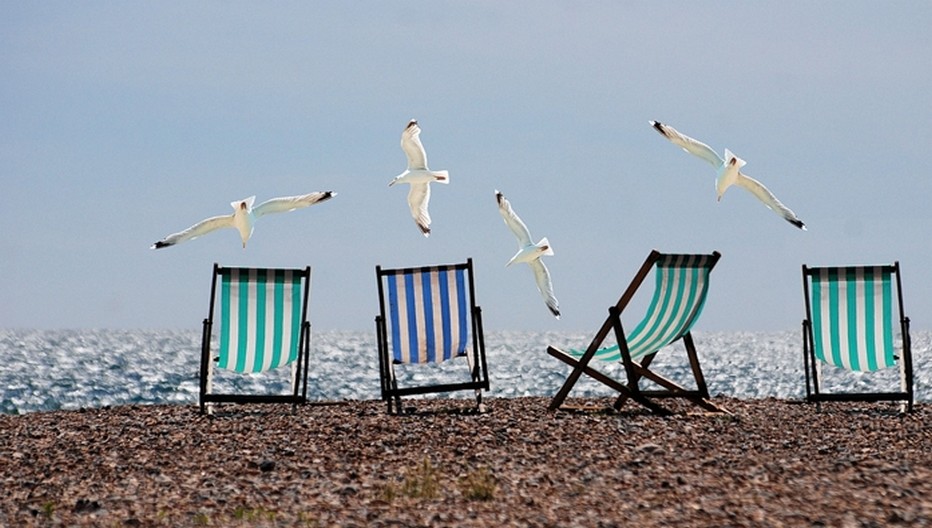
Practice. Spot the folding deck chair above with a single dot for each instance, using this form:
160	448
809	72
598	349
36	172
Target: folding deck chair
851	319
426	316
681	286
263	326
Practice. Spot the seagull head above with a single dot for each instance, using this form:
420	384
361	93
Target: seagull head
244	205
733	161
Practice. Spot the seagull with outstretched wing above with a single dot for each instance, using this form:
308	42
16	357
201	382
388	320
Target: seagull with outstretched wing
529	253
418	176
244	217
729	172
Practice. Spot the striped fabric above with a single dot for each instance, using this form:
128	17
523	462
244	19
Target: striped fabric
852	317
682	282
428	314
260	318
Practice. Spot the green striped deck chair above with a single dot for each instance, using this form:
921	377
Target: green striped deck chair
261	318
852	316
680	289
429	315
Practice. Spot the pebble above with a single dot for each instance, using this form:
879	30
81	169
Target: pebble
770	463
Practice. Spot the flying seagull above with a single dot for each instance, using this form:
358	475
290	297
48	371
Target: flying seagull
418	176
729	172
529	252
244	217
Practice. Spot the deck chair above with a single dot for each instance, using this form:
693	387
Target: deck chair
427	316
263	326
681	286
852	314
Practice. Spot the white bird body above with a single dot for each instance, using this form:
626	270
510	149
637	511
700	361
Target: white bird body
530	253
418	176
728	172
244	217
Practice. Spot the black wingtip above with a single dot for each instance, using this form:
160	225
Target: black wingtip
554	311
658	126
799	224
499	197
159	245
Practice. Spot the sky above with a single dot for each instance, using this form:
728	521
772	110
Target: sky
123	122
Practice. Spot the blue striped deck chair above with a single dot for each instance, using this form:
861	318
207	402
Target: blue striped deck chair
262	325
852	316
429	315
680	289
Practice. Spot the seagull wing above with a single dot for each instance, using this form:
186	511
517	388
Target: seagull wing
414	150
694	147
290	203
513	221
201	228
763	194
418	198
544	284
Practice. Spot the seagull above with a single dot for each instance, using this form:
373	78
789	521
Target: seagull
418	176
244	217
529	252
729	172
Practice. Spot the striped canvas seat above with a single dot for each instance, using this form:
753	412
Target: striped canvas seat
427	315
260	318
852	316
262	326
681	286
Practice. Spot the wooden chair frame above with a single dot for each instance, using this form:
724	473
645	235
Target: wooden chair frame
299	367
636	370
391	392
812	365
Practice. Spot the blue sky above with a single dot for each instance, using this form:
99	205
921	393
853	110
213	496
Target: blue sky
122	122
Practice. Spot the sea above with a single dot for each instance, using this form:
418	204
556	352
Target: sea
47	370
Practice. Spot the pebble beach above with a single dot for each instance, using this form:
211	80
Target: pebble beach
770	462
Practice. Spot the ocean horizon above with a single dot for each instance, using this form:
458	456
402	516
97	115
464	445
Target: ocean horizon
47	370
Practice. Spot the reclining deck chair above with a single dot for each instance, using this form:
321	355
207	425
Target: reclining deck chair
426	316
682	282
263	326
850	323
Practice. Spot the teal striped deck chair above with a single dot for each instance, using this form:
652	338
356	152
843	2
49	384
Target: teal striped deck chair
852	316
680	289
262	324
429	315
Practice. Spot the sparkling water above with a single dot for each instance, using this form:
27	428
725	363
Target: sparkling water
69	369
